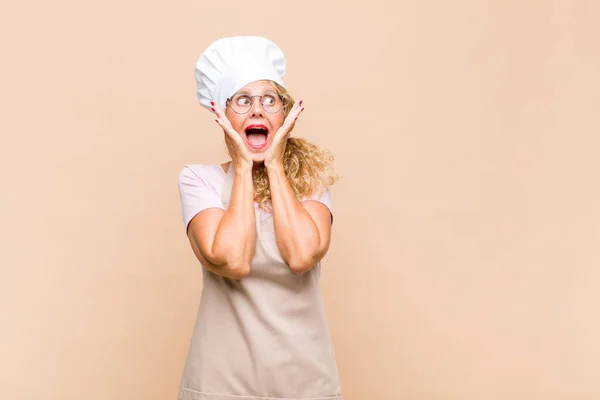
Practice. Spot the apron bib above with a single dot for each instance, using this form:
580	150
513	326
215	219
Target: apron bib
264	336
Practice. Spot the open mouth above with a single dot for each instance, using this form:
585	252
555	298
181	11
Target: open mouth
257	135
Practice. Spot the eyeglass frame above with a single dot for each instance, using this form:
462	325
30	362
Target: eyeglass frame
283	101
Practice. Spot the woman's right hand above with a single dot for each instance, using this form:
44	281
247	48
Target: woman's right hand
240	155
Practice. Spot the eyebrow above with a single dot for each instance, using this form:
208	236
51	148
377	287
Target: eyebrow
248	93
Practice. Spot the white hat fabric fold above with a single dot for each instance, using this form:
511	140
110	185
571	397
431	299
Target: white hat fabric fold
229	64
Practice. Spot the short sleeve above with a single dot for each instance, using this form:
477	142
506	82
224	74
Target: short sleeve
323	196
196	194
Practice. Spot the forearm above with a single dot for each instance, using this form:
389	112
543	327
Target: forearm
234	240
296	232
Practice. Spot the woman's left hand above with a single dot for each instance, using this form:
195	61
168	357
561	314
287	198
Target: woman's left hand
277	149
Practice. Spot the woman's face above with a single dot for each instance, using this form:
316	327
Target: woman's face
255	122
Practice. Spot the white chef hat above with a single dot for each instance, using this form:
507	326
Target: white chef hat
229	64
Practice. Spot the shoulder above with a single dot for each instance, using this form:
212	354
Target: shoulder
197	170
323	196
208	174
200	187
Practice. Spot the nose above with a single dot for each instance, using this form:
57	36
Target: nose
256	109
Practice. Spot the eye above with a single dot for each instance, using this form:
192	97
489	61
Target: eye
268	100
242	101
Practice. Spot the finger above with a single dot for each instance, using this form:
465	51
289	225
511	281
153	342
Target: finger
230	133
297	111
217	110
221	119
297	104
224	122
227	128
294	112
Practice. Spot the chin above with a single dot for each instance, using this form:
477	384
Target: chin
258	156
258	159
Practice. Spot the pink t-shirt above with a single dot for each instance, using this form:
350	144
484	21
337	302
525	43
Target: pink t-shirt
200	187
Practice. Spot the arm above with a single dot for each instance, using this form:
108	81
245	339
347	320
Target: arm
302	229
223	241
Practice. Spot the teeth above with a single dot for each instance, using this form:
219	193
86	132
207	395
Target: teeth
256	130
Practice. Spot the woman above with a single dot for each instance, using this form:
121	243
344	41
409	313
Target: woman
259	225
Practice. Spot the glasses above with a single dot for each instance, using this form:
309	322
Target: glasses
242	103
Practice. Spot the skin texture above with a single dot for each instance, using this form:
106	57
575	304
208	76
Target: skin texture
224	241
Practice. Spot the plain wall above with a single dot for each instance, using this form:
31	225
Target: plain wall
465	255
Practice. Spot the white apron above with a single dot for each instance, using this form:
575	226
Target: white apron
264	336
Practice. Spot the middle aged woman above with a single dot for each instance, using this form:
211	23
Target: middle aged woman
259	224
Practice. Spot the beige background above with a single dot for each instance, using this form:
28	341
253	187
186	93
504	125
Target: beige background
465	257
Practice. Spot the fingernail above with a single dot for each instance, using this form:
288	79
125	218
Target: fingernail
300	102
302	109
217	121
212	103
212	108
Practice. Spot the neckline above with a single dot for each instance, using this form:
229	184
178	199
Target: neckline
220	168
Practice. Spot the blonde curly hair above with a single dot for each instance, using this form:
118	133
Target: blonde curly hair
308	168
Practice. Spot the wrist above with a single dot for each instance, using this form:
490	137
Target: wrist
276	165
243	167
